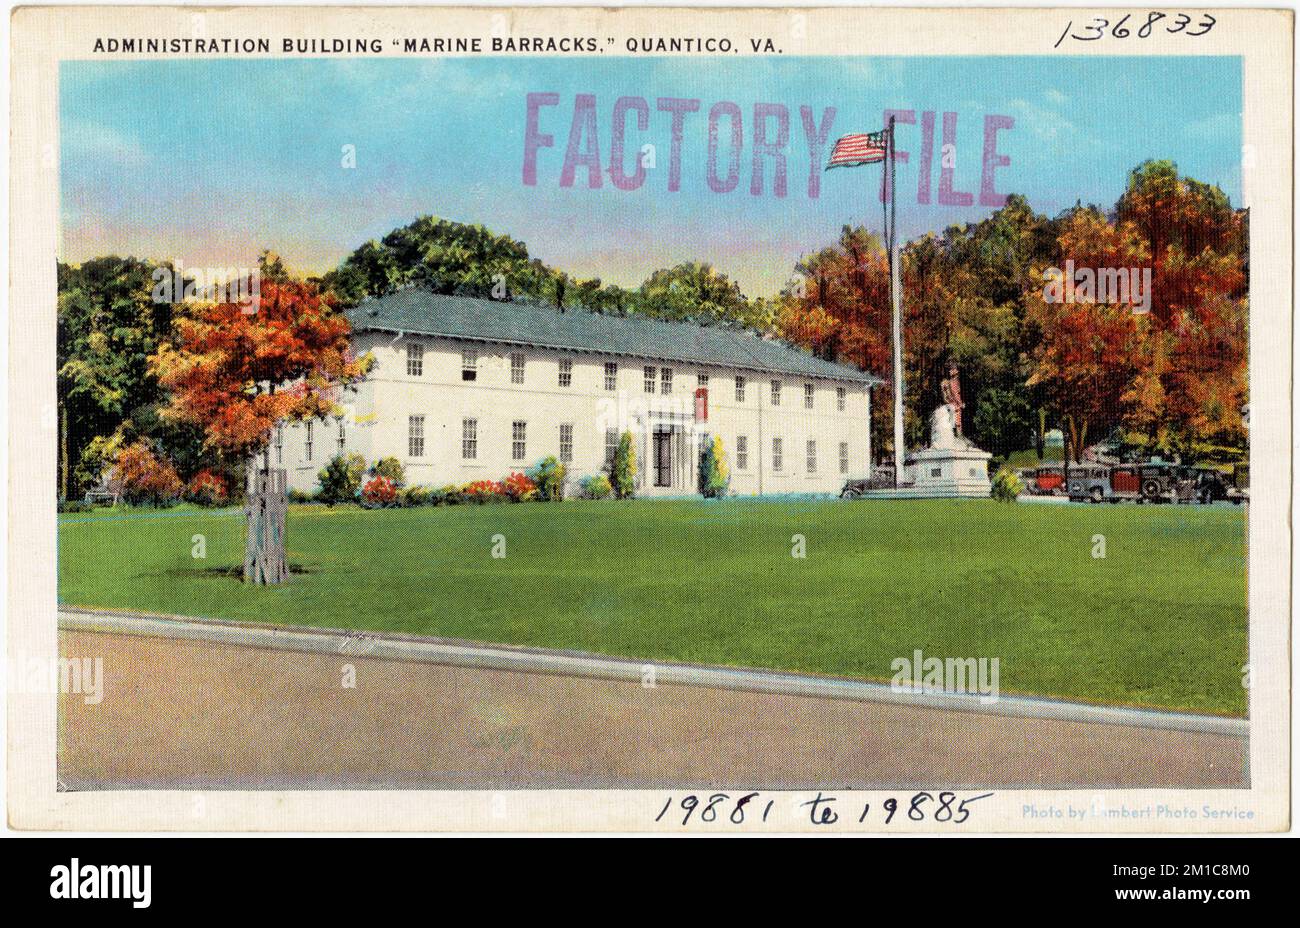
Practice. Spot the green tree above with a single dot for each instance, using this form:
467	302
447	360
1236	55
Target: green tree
693	292
113	313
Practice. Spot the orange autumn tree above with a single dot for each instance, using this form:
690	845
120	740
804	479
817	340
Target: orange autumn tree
1191	391
838	308
1088	355
237	374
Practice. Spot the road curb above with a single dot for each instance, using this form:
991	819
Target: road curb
375	645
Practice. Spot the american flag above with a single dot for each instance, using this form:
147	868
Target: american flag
862	148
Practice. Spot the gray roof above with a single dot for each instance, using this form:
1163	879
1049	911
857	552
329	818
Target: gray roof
420	311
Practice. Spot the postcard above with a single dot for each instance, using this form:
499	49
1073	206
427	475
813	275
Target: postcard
651	420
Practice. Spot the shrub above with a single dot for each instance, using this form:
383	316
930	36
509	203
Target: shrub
341	478
1006	486
141	477
446	496
548	476
622	474
714	476
74	505
520	488
483	491
597	486
379	492
301	496
207	489
97	459
391	468
414	496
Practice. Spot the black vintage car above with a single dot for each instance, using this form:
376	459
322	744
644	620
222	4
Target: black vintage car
1167	483
1212	485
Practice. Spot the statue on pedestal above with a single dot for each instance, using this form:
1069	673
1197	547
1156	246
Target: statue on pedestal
950	389
945	422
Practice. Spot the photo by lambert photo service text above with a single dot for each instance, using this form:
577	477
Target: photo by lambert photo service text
76	880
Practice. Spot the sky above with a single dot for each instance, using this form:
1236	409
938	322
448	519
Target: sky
210	161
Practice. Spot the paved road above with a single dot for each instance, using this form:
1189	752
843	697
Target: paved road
191	714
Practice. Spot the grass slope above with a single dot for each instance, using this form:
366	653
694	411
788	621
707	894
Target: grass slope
1160	621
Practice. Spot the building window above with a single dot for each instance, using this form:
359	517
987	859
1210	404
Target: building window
742	452
415	436
812	456
777	456
808	396
566	372
519	441
844	457
611	447
702	380
517	368
279	444
740	389
666	381
343	435
566	443
307	447
840	396
776	393
469	439
469	364
650	379
611	375
414	359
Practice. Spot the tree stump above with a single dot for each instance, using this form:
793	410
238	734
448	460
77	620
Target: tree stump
264	512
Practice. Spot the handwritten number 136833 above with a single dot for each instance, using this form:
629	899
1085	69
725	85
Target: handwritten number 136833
1098	28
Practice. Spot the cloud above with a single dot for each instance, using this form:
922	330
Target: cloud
1217	126
103	145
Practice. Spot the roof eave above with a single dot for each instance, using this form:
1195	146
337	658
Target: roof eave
376	326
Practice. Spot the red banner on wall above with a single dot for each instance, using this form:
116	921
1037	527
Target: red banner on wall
701	404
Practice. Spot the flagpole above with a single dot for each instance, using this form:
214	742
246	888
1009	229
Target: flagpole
895	298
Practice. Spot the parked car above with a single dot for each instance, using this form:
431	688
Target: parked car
854	487
1212	485
1044	481
1125	483
1239	491
1167	483
1089	483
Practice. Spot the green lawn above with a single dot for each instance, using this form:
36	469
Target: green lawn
1161	621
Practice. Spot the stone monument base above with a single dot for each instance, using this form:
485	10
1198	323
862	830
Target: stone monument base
949	472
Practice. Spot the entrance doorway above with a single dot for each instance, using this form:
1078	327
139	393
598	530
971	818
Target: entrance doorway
663	457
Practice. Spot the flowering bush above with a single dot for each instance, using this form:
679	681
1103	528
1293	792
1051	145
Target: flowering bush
519	488
140	476
379	492
207	489
483	491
